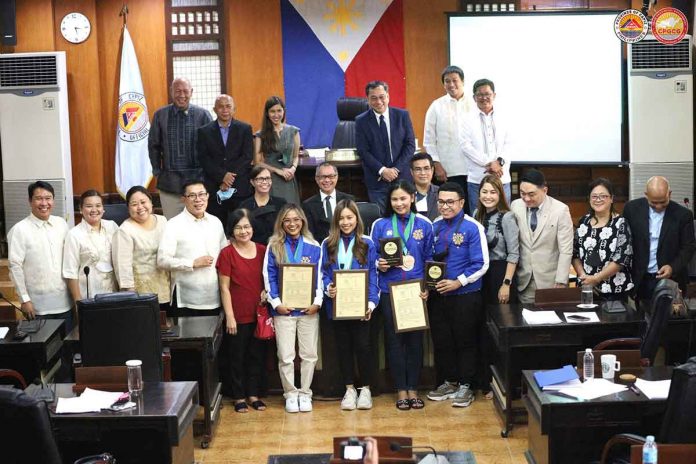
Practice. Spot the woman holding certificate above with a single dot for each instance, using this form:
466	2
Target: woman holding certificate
350	278
294	291
415	239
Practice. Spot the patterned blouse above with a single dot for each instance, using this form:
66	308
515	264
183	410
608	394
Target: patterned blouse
597	246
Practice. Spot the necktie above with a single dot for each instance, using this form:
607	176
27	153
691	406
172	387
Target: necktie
384	134
327	207
533	218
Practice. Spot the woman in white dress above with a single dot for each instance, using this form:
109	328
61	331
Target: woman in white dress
135	248
87	250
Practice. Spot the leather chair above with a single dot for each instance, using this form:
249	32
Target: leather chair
679	421
13	378
657	315
116	327
347	108
369	212
117	212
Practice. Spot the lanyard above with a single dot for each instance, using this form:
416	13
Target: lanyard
407	230
297	256
345	254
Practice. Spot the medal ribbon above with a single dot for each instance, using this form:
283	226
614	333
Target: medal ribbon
407	230
294	258
345	254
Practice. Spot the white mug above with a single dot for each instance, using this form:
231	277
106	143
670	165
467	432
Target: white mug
610	366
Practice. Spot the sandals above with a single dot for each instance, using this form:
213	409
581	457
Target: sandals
241	407
416	403
258	405
403	405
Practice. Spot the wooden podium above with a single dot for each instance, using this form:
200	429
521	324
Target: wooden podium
386	454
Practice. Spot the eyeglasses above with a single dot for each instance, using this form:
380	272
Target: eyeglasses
600	197
420	170
289	221
327	177
241	228
263	180
481	96
199	195
448	203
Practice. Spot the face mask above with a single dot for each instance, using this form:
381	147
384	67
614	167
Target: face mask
226	195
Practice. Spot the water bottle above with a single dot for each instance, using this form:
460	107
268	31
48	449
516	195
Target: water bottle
650	450
588	365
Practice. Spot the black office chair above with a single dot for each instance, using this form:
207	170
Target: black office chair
117	212
678	423
348	109
657	315
116	327
369	212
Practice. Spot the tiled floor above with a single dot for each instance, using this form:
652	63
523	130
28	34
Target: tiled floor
251	437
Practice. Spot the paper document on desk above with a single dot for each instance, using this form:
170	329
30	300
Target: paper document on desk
593	388
654	389
581	317
433	459
540	317
3	331
575	383
90	401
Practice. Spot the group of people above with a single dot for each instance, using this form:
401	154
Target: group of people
232	217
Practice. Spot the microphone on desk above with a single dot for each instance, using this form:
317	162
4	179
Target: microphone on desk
28	326
395	446
86	271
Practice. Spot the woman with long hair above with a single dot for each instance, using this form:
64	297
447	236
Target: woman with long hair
292	243
263	207
345	249
88	244
405	350
277	148
240	266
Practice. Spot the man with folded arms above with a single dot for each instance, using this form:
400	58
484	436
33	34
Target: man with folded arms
189	248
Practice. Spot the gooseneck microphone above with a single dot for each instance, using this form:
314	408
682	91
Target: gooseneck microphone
394	446
26	325
86	270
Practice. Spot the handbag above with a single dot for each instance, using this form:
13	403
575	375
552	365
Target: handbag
264	324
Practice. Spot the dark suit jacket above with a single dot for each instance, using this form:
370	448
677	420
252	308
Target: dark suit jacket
372	152
218	159
316	217
432	212
676	244
263	217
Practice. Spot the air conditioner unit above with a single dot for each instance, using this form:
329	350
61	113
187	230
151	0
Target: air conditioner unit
661	115
34	131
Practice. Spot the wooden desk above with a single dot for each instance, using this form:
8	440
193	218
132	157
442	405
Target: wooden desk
563	430
160	429
520	346
38	354
194	357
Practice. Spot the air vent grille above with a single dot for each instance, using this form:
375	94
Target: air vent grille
648	55
21	72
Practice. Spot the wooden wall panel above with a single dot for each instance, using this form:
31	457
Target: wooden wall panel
84	97
254	56
34	26
425	48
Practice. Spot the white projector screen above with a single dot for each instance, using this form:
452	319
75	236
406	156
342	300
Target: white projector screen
558	80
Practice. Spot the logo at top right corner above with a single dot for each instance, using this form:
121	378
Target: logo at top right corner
669	26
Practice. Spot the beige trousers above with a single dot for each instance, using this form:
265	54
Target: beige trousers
526	296
304	329
171	204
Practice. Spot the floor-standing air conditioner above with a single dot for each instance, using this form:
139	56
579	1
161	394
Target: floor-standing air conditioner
661	115
34	131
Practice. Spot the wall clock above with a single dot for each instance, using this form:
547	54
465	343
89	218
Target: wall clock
75	27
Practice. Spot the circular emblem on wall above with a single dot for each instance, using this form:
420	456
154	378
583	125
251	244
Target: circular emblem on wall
133	121
631	26
669	26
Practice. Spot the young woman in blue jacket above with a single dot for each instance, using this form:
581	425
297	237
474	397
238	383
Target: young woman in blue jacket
405	350
292	243
346	248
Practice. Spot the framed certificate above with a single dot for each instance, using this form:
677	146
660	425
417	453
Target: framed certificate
390	249
297	285
408	308
434	272
351	294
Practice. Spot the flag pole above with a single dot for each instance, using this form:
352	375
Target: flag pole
124	13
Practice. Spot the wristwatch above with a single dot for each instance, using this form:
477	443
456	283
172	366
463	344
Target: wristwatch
507	282
501	161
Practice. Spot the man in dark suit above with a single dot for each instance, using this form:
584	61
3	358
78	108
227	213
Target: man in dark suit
320	207
662	233
384	138
225	152
422	170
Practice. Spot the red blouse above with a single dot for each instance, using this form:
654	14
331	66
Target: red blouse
246	281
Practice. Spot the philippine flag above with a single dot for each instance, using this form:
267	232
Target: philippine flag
332	49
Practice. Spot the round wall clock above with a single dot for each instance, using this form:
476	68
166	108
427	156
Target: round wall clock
75	27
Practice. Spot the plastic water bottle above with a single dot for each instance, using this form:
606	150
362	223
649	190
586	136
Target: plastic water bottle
588	365
650	450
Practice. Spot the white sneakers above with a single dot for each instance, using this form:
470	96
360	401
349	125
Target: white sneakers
301	403
351	400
